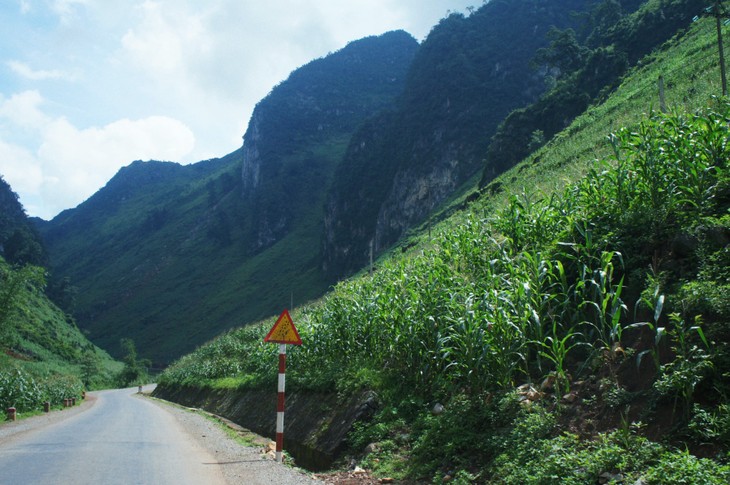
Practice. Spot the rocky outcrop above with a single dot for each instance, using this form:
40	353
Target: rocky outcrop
297	134
251	170
315	426
413	196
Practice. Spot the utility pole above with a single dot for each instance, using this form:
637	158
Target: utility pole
719	13
371	255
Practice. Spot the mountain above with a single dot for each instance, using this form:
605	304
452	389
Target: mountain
297	134
612	41
172	255
469	74
351	150
571	327
20	242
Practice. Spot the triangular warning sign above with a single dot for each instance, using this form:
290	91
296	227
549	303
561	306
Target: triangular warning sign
284	331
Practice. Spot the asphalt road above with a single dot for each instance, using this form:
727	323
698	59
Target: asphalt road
120	439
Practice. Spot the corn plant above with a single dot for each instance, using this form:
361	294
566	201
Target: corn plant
603	300
679	377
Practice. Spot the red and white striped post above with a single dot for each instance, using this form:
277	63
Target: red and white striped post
280	403
283	332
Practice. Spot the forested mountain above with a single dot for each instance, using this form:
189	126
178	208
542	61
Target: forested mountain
587	65
20	242
296	135
469	75
172	255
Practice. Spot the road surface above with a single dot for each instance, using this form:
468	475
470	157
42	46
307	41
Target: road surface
120	437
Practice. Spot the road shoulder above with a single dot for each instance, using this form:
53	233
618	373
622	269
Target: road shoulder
238	463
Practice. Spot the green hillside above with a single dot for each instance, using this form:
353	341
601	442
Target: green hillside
43	354
172	255
572	322
348	152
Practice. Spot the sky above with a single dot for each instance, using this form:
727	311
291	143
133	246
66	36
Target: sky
89	86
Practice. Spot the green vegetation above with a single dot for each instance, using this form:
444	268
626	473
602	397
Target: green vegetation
584	69
463	81
573	333
26	392
19	241
43	355
173	255
136	370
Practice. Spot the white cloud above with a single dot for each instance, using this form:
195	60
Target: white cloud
66	9
69	164
157	42
23	110
20	169
157	79
26	71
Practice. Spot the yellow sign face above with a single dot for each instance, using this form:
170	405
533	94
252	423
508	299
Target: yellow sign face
284	331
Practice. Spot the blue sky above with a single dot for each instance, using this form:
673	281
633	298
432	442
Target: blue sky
88	86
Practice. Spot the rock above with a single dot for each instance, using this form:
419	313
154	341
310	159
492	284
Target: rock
371	448
570	397
437	409
607	477
528	393
548	384
387	480
359	471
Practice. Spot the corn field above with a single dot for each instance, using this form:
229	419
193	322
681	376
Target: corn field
507	297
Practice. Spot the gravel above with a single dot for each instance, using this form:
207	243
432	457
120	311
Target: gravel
252	465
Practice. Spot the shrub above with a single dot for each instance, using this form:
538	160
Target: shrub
680	467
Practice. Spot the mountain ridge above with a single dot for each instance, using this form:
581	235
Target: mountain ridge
191	248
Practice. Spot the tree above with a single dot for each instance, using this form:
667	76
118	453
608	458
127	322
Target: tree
24	247
90	363
564	53
135	369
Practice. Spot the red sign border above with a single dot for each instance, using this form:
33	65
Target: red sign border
285	313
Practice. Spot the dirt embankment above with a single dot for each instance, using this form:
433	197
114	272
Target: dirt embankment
315	427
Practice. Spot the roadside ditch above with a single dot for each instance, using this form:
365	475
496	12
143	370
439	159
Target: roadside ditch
315	427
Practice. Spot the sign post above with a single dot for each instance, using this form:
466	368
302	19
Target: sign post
283	332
